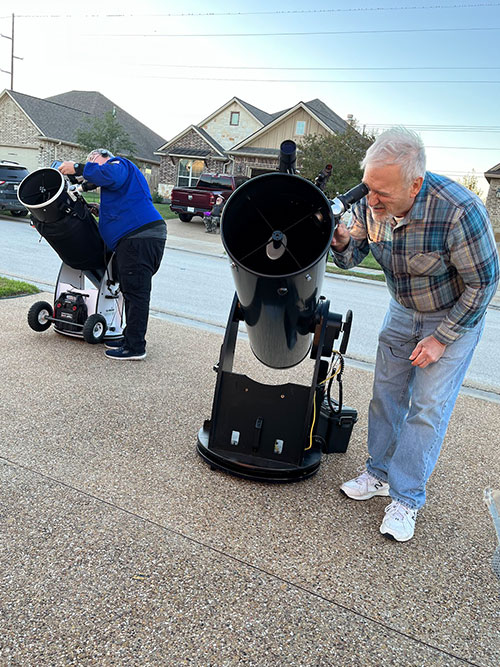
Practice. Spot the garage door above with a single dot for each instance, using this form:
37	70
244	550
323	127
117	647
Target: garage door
27	157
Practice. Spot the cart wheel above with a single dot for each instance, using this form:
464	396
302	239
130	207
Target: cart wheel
94	329
38	316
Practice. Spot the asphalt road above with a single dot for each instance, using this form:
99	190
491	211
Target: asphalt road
198	289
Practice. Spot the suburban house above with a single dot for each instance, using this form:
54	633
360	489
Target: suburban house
35	131
240	139
493	199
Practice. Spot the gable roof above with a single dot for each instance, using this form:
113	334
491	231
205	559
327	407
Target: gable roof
54	121
60	116
207	138
261	116
329	117
323	114
318	110
494	171
93	102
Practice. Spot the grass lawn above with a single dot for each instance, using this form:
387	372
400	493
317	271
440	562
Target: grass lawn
10	287
165	211
369	262
367	276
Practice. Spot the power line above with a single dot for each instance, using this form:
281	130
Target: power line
294	34
465	148
355	81
317	69
337	10
440	128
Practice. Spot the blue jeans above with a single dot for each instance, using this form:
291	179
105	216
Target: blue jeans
411	407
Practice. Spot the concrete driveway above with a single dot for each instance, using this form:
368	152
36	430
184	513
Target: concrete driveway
120	546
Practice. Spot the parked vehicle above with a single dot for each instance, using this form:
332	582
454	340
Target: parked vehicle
200	199
11	174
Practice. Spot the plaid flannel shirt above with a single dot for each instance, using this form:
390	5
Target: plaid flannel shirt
441	256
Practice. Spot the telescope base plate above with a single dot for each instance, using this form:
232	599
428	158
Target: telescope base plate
257	468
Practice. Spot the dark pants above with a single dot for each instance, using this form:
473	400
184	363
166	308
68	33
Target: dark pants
136	262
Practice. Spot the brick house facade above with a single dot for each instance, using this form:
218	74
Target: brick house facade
493	200
240	139
35	131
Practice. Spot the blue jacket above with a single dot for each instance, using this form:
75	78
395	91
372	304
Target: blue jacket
126	202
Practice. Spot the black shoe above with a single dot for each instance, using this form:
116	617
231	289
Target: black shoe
113	343
123	353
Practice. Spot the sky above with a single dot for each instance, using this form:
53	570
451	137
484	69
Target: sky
428	65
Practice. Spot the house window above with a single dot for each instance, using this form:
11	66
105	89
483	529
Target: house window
300	127
189	172
235	118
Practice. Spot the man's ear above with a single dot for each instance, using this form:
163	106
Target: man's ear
416	186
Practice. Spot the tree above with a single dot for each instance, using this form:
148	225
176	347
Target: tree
106	132
470	182
343	151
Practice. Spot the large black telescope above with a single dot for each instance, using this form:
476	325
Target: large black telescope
277	229
61	215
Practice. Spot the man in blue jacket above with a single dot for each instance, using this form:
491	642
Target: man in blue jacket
131	227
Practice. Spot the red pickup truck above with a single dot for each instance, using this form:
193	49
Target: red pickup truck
197	200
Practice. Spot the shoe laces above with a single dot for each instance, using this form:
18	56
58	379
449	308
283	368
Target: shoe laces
365	476
400	512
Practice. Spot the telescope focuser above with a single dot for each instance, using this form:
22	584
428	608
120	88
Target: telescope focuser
343	203
322	178
288	157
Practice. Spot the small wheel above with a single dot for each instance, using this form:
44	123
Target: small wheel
94	329
19	214
38	316
185	217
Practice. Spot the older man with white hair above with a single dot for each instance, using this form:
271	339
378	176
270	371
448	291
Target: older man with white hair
435	244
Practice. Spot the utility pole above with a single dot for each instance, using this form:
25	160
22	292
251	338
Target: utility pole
12	56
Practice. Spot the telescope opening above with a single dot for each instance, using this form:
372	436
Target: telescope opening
40	188
277	225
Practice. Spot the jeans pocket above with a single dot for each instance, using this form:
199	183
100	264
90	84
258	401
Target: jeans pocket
403	350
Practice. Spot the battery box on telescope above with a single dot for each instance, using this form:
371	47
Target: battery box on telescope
70	310
335	427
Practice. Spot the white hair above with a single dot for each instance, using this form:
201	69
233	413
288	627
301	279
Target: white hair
398	146
103	152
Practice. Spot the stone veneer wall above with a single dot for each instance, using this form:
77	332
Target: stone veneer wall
169	166
243	165
493	206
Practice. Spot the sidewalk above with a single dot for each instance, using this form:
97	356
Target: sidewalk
120	546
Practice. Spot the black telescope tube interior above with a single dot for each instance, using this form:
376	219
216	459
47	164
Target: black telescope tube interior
273	203
40	187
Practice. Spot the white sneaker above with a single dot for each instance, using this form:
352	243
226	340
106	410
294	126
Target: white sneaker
364	487
399	522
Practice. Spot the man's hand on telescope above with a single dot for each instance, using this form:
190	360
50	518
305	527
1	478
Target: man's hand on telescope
67	168
341	238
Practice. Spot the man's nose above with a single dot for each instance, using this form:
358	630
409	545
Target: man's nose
373	199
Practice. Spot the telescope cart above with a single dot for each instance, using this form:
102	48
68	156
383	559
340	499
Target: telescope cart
88	302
